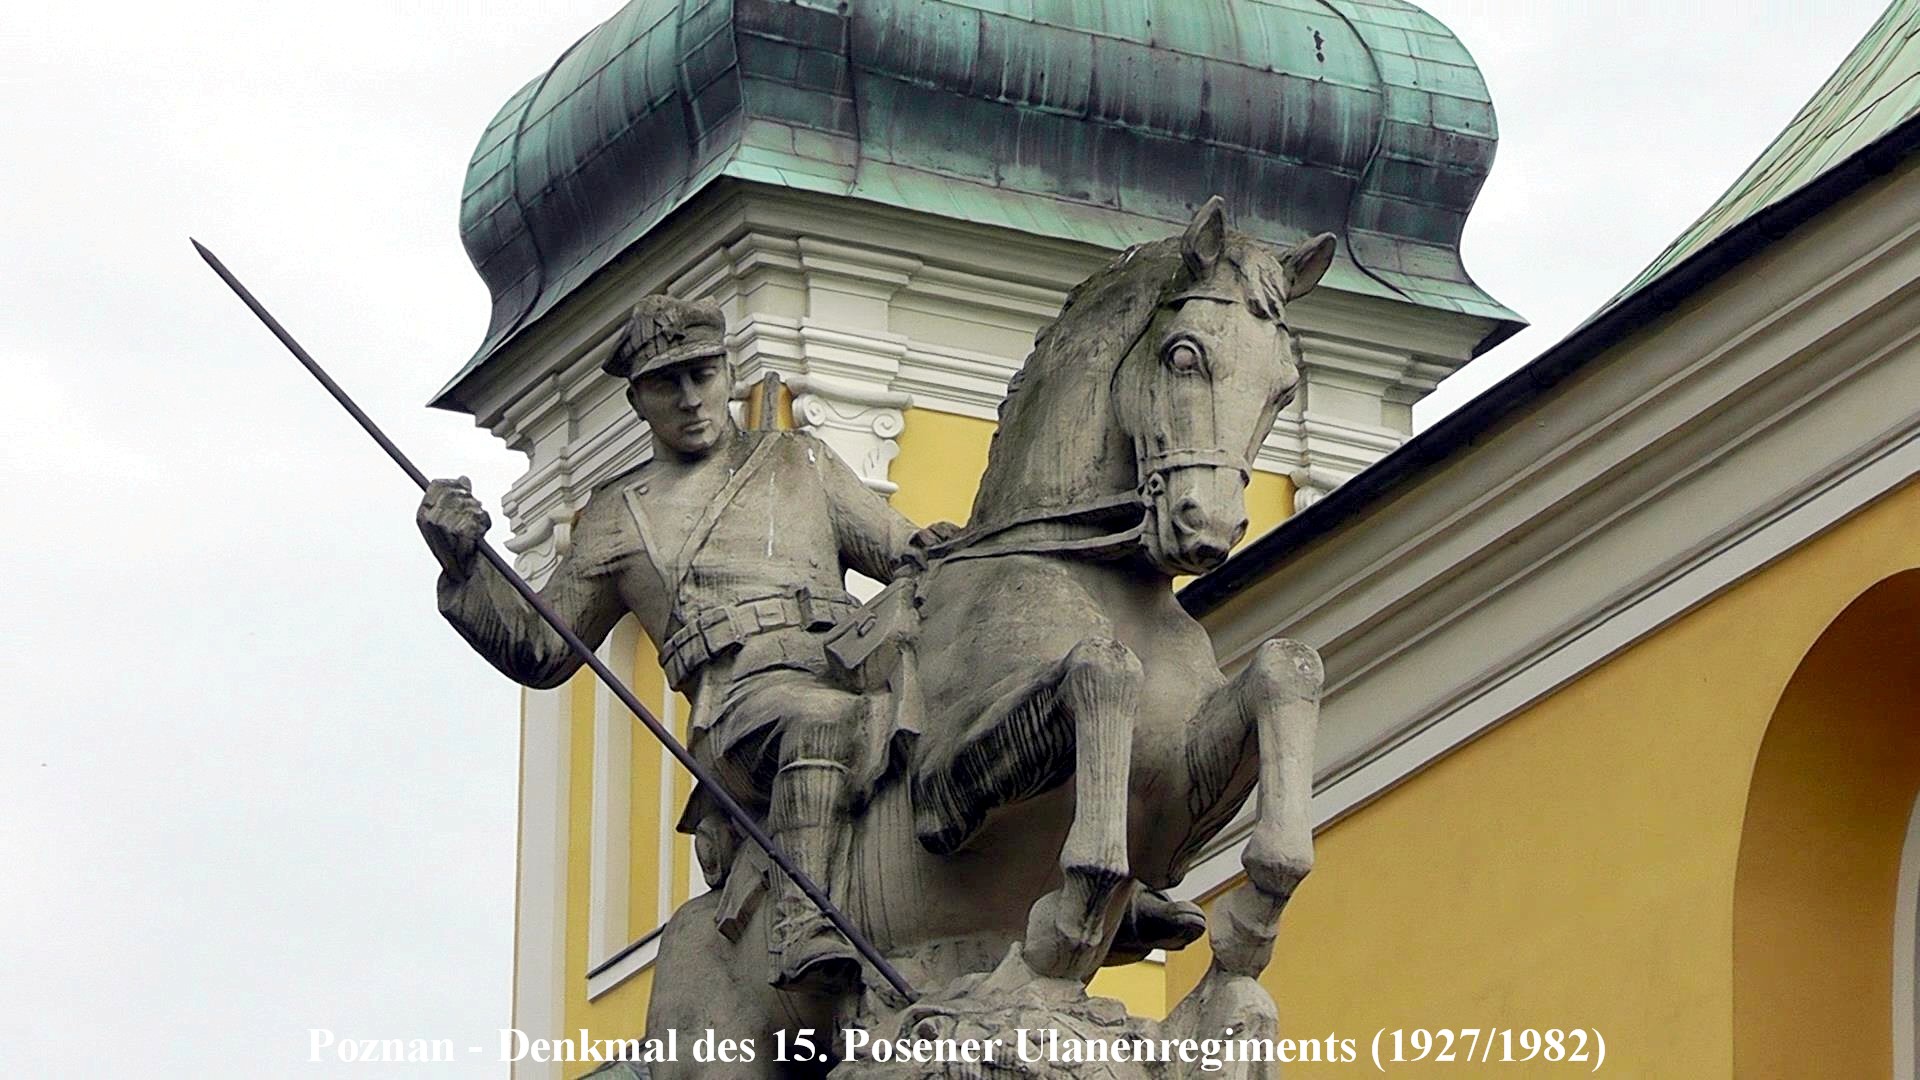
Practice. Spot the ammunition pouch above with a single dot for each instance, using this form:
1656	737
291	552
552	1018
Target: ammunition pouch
866	649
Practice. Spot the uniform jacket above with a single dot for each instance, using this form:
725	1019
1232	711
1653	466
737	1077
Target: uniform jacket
793	516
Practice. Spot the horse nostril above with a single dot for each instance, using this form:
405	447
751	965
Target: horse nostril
1187	516
1239	532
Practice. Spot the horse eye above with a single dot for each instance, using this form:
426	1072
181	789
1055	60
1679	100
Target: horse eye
1183	355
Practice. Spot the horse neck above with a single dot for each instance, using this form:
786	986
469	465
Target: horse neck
1058	446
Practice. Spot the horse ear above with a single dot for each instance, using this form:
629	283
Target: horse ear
1306	262
1206	238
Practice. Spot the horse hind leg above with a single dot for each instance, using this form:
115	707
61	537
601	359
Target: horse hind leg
1276	700
1067	929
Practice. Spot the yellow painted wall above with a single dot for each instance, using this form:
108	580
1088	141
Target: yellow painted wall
1142	987
941	458
1269	502
1576	866
621	1012
579	865
644	817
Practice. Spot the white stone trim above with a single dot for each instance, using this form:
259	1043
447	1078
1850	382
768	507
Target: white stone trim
639	957
951	379
619	950
1685	460
1353	407
1906	953
540	911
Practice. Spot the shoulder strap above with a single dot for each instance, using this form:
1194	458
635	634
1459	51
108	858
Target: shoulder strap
647	545
703	528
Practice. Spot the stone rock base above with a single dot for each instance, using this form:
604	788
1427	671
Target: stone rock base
1012	1024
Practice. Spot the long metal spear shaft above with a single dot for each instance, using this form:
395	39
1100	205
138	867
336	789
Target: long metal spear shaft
580	648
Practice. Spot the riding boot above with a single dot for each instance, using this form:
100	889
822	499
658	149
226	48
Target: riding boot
808	953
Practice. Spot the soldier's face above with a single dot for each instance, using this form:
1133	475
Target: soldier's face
686	405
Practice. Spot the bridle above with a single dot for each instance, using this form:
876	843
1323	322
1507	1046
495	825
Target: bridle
1135	506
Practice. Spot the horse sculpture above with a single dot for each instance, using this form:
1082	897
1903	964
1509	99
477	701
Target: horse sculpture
1078	744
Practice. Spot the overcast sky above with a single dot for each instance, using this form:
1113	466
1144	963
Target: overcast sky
250	784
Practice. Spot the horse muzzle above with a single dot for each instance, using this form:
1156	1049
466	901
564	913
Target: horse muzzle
1194	517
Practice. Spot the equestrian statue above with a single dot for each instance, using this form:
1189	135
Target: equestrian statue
1000	765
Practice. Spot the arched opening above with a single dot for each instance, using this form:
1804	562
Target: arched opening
1817	889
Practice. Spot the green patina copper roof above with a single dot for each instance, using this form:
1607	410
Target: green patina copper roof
1875	88
1102	121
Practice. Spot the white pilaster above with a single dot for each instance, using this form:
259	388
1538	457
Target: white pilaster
850	357
1354	406
540	909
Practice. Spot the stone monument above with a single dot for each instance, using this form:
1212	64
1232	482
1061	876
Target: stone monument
998	764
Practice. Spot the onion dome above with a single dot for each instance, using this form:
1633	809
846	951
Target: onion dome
1106	123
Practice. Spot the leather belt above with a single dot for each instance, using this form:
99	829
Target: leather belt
713	632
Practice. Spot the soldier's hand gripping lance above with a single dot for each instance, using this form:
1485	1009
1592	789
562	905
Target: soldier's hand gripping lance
726	802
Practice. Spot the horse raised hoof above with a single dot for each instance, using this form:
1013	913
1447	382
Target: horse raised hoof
1156	921
814	958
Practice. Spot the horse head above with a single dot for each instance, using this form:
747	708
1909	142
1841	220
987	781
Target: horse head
1198	390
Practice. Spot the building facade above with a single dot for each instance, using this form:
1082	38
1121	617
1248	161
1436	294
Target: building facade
1617	733
1622	729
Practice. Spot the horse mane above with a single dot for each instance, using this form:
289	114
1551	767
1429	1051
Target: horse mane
1058	400
1102	315
1060	392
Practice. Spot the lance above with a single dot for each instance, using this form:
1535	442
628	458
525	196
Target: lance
581	649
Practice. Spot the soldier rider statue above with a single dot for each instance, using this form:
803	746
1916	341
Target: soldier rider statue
731	548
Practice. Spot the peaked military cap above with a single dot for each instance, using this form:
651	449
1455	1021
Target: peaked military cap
664	331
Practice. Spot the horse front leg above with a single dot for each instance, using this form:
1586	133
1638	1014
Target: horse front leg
1260	727
1098	693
